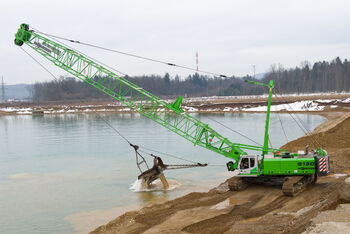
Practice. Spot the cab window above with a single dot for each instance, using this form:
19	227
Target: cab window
252	162
244	163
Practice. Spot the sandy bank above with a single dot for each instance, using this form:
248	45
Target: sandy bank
258	209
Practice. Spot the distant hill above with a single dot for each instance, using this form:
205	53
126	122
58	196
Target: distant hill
18	91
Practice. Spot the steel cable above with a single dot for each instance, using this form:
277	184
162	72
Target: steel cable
133	55
235	131
300	123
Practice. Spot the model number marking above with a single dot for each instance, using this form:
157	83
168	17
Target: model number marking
306	163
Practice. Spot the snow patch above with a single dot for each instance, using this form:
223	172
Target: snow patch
125	109
8	109
230	109
295	106
325	101
211	110
347	100
190	109
25	111
22	111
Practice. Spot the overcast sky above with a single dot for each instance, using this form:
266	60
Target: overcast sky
230	36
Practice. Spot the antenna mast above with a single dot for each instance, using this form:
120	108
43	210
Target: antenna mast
197	60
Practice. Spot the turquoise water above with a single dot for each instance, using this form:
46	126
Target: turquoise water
54	166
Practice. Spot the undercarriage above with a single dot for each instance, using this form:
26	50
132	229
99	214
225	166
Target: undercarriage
291	185
297	184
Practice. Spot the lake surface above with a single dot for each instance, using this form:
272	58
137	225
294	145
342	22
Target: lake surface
61	173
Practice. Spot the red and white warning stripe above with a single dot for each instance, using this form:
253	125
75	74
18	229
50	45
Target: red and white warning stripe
322	163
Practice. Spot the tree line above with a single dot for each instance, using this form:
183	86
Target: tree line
323	76
162	86
307	78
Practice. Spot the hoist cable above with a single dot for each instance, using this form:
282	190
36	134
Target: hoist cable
94	59
235	131
284	132
133	55
270	142
299	122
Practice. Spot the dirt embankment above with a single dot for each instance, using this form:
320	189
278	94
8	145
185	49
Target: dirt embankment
258	209
334	136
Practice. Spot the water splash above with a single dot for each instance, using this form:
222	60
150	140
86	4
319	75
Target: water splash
156	185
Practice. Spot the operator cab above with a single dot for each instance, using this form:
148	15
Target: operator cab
248	165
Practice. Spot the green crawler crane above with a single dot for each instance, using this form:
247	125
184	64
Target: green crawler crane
295	171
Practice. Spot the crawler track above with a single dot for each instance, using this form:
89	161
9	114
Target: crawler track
237	184
297	184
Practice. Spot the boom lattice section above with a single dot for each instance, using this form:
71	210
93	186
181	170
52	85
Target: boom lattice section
168	115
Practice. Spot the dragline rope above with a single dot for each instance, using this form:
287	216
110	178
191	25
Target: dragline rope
56	79
110	125
39	63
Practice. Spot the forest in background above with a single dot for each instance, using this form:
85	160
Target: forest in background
322	76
